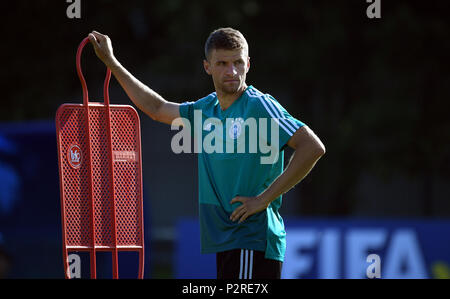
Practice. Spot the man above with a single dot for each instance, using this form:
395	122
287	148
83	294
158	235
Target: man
239	193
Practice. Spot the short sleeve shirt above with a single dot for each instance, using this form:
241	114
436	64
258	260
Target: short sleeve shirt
240	153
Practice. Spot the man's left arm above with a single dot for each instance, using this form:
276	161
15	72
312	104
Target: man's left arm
307	151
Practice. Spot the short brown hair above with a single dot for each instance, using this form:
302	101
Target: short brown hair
225	38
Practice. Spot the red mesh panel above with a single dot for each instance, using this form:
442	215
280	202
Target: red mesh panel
75	180
101	175
127	177
125	155
99	154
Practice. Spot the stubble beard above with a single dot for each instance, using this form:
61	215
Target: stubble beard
231	89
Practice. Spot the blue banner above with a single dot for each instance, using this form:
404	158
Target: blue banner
341	248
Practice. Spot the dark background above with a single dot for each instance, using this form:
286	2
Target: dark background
374	90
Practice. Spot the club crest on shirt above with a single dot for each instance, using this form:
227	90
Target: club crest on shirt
236	128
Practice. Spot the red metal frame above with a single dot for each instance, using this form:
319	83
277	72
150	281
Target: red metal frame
129	179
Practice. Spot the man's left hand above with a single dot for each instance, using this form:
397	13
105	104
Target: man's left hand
250	206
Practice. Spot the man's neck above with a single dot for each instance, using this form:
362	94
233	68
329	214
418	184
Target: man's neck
227	99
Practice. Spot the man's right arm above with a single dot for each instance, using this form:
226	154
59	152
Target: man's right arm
142	96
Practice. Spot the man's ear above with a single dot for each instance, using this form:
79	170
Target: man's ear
248	64
206	66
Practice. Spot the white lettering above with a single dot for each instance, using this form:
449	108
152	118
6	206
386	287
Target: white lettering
235	129
374	269
74	269
359	243
184	136
193	289
73	11
374	9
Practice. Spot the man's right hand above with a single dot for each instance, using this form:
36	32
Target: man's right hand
142	96
103	47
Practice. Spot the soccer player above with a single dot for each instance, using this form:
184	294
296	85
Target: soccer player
239	192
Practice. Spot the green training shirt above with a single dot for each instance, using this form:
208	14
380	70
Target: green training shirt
240	153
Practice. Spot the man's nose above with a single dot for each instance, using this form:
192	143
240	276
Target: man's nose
231	70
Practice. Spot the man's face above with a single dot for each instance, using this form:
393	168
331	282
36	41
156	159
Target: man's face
228	69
